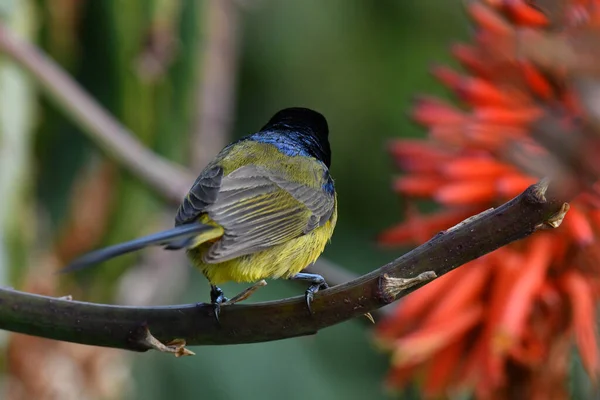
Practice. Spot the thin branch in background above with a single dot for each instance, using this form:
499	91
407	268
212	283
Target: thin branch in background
117	141
129	327
216	91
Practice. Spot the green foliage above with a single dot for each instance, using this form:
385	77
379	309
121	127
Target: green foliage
17	114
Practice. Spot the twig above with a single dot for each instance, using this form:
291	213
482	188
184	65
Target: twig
126	327
217	89
117	141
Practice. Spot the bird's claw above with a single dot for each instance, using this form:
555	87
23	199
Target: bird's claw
217	298
310	293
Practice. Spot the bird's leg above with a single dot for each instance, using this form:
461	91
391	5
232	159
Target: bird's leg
317	282
217	298
245	293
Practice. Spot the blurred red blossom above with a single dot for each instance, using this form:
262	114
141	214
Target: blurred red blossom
504	323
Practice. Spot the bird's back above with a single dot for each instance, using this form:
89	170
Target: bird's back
271	198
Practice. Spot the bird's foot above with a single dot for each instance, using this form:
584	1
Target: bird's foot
217	298
317	283
245	293
310	293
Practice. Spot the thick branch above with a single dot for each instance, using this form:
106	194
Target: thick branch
126	327
117	141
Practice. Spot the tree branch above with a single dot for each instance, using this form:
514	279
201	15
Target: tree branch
128	327
216	94
170	180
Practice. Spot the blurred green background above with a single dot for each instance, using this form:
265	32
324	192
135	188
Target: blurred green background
358	62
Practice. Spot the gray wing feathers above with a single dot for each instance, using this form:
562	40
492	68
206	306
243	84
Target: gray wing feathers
254	225
315	200
204	192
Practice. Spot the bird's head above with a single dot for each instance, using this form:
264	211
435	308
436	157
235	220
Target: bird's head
305	123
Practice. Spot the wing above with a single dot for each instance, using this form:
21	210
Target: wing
204	192
259	208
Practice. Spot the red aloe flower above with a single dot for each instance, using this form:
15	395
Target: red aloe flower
505	322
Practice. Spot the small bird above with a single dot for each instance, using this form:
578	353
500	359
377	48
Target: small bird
265	207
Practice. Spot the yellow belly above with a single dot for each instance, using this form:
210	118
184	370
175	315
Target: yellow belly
282	261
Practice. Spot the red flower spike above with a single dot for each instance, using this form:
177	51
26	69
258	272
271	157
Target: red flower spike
475	91
448	135
427	225
417	346
447	76
432	111
532	289
523	14
594	216
506	116
488	138
536	81
471	59
507	264
511	185
488	19
465	193
470	168
526	284
418	149
417	186
443	369
590	201
464	293
414	306
579	227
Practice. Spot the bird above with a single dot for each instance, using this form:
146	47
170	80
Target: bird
264	208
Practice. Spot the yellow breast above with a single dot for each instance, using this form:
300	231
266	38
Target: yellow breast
281	261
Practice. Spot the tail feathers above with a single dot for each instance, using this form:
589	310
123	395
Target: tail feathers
182	243
173	239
